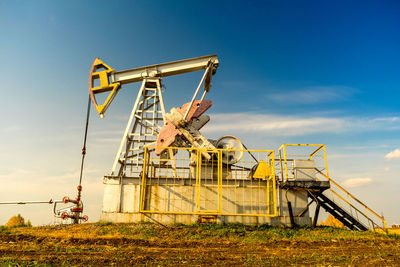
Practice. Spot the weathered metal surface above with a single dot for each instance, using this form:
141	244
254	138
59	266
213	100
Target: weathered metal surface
197	109
303	185
175	124
166	137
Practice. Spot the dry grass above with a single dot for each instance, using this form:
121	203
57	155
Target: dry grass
231	244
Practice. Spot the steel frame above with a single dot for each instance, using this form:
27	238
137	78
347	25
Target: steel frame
142	129
150	177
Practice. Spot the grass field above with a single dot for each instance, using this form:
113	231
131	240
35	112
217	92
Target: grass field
195	245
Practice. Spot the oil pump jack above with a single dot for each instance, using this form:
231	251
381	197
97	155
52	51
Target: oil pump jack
148	123
221	178
166	170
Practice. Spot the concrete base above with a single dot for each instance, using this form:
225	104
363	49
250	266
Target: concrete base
121	203
167	219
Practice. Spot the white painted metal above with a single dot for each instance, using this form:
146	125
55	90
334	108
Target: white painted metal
29	202
197	92
304	170
142	127
128	127
164	69
230	142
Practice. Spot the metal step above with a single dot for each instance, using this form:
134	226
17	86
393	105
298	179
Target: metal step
342	215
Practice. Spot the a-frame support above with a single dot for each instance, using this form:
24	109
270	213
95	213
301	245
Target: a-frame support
144	124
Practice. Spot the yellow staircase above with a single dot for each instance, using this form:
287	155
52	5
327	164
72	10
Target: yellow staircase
335	200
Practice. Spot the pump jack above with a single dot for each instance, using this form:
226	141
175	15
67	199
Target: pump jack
181	126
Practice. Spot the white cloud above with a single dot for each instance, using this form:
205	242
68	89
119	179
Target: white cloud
281	125
311	94
357	182
388	119
273	124
395	154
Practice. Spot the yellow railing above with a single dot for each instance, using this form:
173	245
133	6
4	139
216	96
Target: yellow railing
339	195
314	152
208	182
372	224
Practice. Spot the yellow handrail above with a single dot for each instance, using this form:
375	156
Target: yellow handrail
351	205
284	173
209	174
353	197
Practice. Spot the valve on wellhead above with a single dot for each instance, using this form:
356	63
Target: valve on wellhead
74	212
65	215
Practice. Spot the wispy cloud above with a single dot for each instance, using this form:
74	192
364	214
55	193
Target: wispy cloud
395	154
311	94
293	125
283	125
357	182
388	119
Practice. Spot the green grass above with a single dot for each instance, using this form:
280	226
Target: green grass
266	233
231	231
101	223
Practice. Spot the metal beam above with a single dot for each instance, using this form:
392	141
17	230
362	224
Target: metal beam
315	220
164	69
111	80
28	202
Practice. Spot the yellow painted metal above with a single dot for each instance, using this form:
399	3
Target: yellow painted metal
198	161
271	158
350	196
283	157
105	86
196	186
263	170
352	203
280	163
143	182
286	167
219	180
303	145
316	151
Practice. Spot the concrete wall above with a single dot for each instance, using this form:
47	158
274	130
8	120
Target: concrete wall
190	219
244	198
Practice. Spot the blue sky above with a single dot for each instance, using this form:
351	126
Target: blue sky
293	71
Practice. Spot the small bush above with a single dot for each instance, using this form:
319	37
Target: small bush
332	221
18	221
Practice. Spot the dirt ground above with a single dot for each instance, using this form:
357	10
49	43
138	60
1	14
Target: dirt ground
194	245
